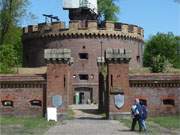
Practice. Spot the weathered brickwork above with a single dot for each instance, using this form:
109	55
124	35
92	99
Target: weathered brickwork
58	83
156	89
152	88
89	39
22	90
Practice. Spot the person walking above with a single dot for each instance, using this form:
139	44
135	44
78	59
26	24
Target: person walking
144	116
136	112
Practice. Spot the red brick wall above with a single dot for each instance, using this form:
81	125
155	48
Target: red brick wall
59	83
154	97
21	98
155	88
21	93
34	54
119	73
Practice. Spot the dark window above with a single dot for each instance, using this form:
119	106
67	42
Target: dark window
83	55
83	77
35	103
168	102
143	101
64	81
111	80
118	26
138	59
7	103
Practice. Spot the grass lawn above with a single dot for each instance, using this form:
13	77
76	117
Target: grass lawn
172	122
24	125
158	125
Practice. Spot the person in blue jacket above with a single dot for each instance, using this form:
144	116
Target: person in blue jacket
136	112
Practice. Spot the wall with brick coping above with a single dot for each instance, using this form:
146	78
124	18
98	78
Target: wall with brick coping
152	87
22	89
155	88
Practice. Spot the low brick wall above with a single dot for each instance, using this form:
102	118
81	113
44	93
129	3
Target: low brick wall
22	95
160	92
26	94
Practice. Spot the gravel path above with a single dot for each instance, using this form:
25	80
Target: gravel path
90	127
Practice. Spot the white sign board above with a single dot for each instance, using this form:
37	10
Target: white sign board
51	113
70	4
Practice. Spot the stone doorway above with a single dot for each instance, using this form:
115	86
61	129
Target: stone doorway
83	95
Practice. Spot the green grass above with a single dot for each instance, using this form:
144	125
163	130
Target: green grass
157	125
168	122
24	125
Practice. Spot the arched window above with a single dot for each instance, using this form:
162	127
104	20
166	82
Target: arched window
36	103
7	103
169	102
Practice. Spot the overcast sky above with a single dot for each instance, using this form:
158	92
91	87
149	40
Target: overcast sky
153	15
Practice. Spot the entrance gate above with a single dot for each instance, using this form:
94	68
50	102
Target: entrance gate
83	95
114	94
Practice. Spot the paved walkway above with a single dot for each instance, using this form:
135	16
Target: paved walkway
87	122
90	127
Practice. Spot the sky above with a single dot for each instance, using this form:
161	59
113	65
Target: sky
153	15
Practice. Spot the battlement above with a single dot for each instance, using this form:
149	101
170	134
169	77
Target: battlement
58	56
44	27
86	27
117	55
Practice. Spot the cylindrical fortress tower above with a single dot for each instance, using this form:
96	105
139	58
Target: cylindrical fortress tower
87	42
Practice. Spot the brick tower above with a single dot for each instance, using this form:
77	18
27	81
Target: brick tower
118	82
58	79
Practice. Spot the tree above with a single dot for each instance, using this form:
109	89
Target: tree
8	58
161	45
177	59
11	12
108	10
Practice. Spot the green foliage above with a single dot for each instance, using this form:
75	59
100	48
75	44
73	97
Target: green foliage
8	59
159	49
11	12
108	10
158	64
177	59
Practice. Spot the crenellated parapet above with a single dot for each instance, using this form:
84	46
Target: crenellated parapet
62	56
117	55
88	28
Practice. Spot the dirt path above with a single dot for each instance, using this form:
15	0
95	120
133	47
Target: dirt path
88	122
90	127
